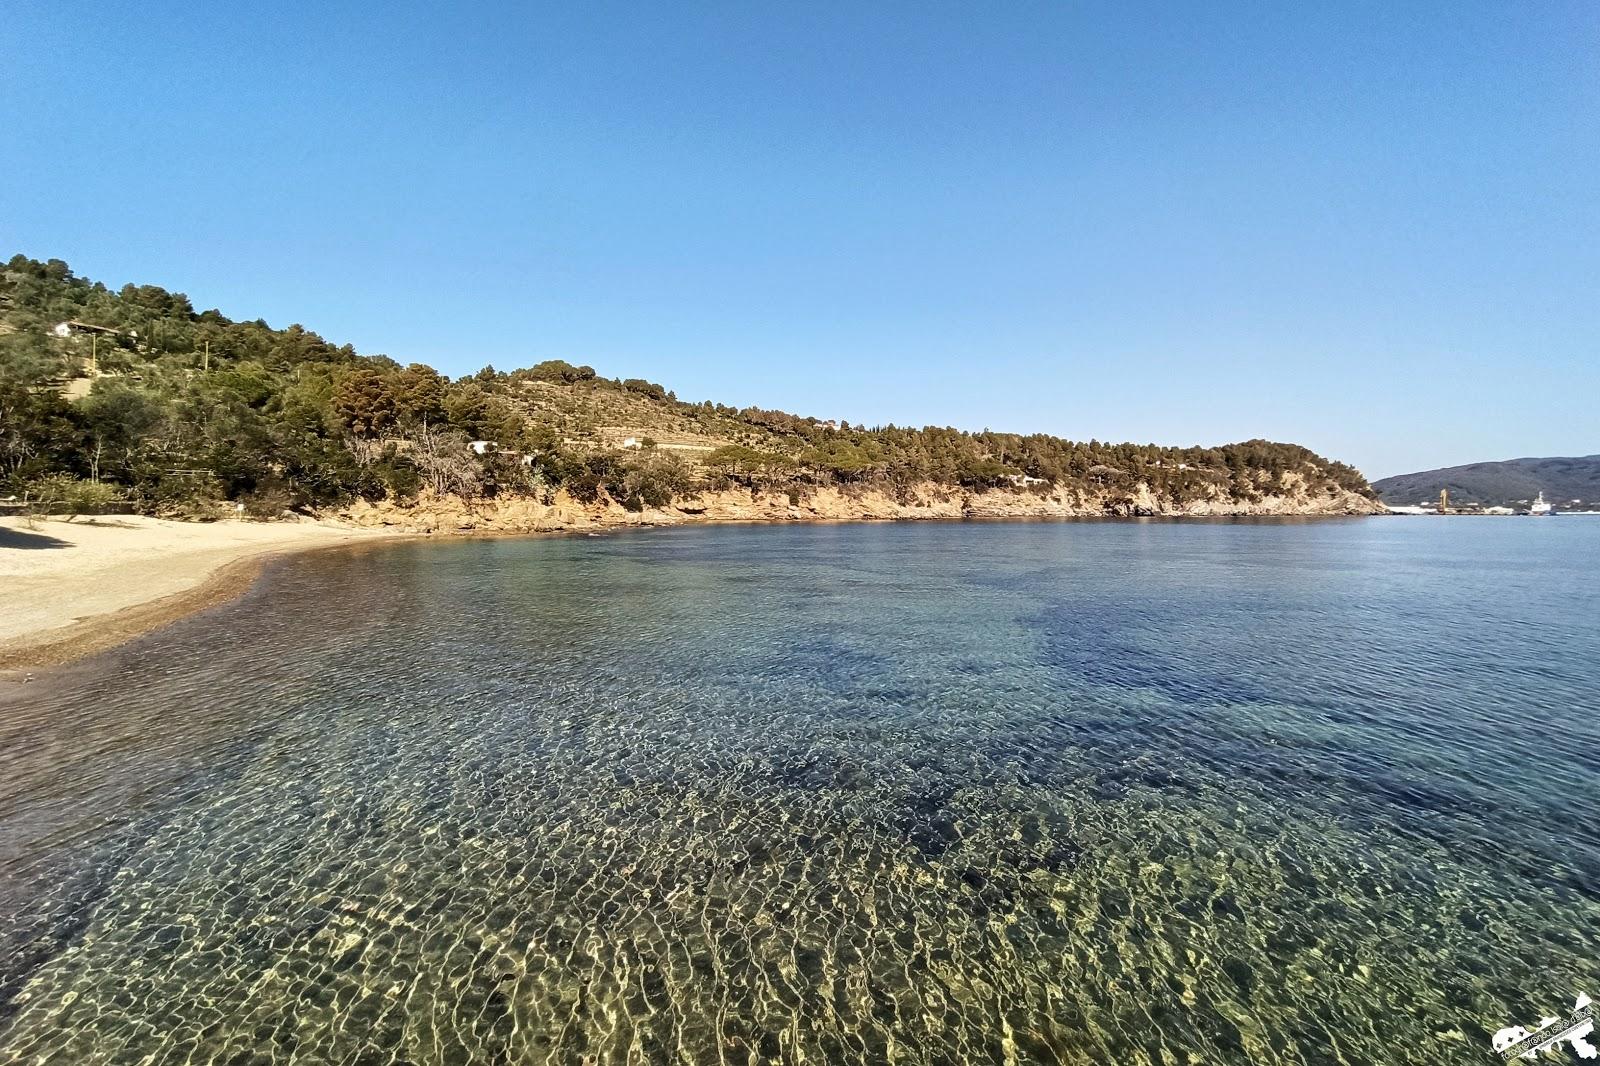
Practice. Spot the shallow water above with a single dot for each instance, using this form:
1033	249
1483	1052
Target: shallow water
1275	792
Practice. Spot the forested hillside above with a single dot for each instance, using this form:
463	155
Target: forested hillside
1565	481
133	398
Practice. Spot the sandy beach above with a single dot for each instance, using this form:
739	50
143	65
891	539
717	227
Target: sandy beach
69	589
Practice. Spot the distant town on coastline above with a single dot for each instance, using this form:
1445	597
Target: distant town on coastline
131	398
1570	483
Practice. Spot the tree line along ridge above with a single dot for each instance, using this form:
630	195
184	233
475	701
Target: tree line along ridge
133	399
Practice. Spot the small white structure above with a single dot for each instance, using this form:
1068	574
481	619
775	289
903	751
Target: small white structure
72	325
1022	481
630	442
482	447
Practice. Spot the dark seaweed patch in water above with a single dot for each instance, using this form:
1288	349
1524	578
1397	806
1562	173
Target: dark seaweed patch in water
819	768
1425	797
1108	647
1018	581
831	658
927	822
44	925
1143	773
36	934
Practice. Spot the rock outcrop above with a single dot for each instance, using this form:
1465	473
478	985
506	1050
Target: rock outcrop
927	502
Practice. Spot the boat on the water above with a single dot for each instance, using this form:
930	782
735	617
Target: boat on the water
1540	508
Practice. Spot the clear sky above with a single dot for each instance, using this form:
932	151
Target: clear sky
1370	228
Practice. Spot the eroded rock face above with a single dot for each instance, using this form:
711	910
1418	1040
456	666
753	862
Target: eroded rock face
451	514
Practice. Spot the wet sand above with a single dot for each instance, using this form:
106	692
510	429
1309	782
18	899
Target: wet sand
70	589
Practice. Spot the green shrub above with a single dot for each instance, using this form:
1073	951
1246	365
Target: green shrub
583	487
561	371
645	388
64	494
270	500
195	494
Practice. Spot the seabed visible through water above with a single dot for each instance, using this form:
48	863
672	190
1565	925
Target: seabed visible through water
1080	792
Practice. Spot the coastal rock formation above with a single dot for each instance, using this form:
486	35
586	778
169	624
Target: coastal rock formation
928	501
265	422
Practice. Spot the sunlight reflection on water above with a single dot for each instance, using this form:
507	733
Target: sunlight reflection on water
1080	792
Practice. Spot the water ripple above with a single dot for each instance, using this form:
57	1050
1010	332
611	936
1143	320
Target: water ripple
1147	793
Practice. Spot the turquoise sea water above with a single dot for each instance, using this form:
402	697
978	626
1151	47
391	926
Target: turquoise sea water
1131	792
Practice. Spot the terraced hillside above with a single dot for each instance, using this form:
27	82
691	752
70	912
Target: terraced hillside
133	398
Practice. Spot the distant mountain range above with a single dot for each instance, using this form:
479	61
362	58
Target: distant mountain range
1563	480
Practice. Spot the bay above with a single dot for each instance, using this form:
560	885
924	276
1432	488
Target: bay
1143	792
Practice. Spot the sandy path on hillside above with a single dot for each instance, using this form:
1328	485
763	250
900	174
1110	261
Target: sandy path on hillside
69	589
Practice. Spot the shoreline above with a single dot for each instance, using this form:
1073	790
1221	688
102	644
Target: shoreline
76	589
559	512
93	634
235	568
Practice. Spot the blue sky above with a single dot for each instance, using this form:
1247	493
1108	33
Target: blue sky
1371	228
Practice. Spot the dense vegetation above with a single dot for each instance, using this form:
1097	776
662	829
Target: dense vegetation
133	396
1565	482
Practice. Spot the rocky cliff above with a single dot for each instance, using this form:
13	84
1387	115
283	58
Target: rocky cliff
451	514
